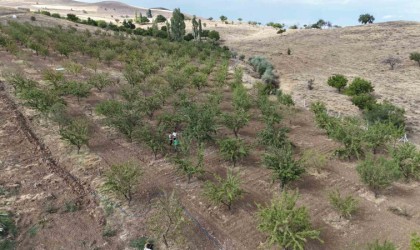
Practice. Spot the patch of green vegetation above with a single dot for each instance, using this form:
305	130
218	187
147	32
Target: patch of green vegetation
71	207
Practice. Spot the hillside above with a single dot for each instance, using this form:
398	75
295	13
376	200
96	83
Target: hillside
52	71
352	51
102	10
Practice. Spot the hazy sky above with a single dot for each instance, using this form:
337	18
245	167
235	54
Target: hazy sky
340	12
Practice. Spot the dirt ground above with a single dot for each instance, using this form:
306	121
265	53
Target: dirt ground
215	227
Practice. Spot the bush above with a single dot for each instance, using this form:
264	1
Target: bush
408	160
214	35
56	15
7	226
378	173
122	178
337	81
189	168
285	224
189	37
100	81
385	112
33	18
236	121
364	101
379	134
285	168
73	18
313	159
346	206
376	245
415	56
260	64
225	191
71	207
47	13
77	133
415	242
285	99
160	19
233	149
359	86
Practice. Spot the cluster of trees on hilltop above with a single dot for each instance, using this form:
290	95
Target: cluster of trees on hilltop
173	30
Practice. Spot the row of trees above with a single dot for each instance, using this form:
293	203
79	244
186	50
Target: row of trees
361	142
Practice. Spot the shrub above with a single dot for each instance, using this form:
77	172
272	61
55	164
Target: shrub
71	207
100	81
378	173
33	18
359	86
285	99
408	160
241	99
160	19
73	18
56	15
168	222
153	138
233	149
385	112
392	61
273	137
415	56
77	133
366	18
260	64
381	133
349	132
47	13
189	37
363	101
313	159
77	89
53	76
7	226
109	232
285	168
376	245
415	242
199	80
41	99
337	81
225	191
236	121
214	35
189	168
346	206
285	224
122	178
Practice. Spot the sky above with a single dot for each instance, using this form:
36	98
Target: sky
339	12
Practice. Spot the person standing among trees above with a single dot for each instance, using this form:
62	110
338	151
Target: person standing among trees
171	138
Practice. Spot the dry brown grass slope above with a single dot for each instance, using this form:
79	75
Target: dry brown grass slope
352	51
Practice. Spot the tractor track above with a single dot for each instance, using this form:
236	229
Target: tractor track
85	192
